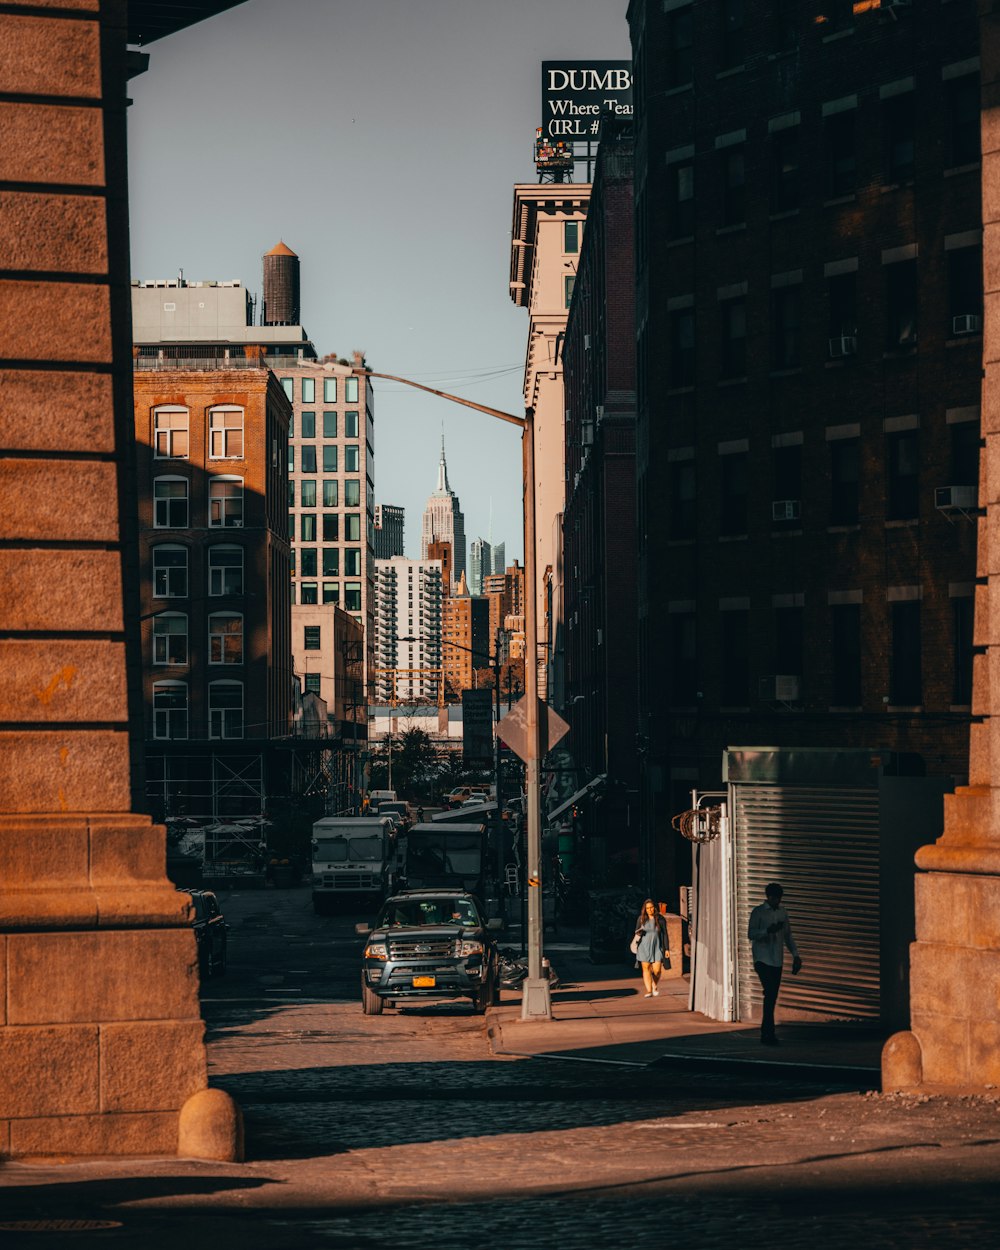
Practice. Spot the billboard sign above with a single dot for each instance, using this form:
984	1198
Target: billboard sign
477	726
577	94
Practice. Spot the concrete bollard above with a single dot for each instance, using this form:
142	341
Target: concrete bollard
211	1127
902	1062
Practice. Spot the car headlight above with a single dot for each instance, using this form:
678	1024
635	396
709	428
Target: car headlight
469	948
376	950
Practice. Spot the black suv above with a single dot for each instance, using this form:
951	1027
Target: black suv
430	944
210	933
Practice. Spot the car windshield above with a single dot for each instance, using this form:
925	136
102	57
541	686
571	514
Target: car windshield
413	913
343	850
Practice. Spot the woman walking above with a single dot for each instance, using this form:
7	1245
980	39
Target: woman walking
651	930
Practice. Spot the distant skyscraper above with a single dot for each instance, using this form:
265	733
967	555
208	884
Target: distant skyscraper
480	564
389	520
443	520
499	554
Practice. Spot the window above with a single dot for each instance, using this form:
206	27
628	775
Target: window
904	475
730	34
352	493
680	200
331	527
845	464
308	592
845	644
733	176
680	47
785	170
839	154
225	434
170	709
311	638
170	638
308	390
964	454
788	647
312	683
331	561
965	291
899	137
905	687
308	425
352	527
683	656
331	592
841	291
682	348
170	433
329	425
330	492
569	282
351	425
352	562
291	494
351	459
225	571
571	236
787	465
351	390
329	393
352	596
307	527
307	561
291	458
901	304
307	459
733	471
330	459
962	103
681	481
170	503
307	494
225	638
225	502
735	658
734	338
288	386
170	572
291	425
961	610
785	328
225	709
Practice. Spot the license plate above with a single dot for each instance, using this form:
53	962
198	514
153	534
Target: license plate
424	982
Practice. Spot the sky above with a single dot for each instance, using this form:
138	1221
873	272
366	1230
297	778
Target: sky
381	140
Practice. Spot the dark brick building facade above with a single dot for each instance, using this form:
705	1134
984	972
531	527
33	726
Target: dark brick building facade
808	259
599	517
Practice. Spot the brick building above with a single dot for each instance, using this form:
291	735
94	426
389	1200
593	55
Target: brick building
505	592
599	556
808	351
465	638
214	563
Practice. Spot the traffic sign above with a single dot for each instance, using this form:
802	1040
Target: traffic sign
513	729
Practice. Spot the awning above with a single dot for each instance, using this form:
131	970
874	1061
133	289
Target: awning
587	789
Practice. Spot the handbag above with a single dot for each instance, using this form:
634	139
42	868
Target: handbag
634	944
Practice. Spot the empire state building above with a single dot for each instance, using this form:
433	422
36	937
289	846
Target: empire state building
443	521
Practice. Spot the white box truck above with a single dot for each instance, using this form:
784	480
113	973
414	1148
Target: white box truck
352	857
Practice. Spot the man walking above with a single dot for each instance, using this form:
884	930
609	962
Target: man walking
770	932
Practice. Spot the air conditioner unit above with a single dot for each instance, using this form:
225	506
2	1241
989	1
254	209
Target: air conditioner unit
586	342
967	323
785	510
599	413
781	688
587	434
959	497
846	345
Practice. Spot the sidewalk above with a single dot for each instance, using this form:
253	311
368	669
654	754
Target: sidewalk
600	1015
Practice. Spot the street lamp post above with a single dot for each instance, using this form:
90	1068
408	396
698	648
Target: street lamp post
535	997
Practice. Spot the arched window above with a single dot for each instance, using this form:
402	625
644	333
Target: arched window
225	502
225	638
170	638
170	433
225	709
170	709
225	433
170	503
170	572
225	570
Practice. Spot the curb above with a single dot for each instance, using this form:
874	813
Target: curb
853	1076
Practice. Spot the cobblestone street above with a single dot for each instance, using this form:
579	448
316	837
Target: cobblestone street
404	1130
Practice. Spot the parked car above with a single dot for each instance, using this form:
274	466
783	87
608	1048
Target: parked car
459	795
430	944
210	933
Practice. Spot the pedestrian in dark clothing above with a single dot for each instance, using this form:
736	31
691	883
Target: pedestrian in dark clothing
770	931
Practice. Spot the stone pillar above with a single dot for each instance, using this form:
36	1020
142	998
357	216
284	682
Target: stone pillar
101	1041
954	1040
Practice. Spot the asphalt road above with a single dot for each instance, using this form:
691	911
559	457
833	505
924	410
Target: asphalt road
403	1130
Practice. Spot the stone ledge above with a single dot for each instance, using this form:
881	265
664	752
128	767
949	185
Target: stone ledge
128	906
126	1133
